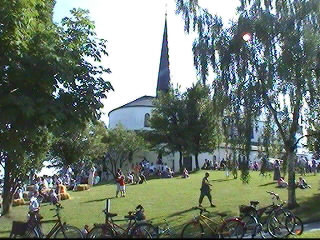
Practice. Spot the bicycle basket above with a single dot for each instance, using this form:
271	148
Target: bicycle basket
245	210
140	215
18	228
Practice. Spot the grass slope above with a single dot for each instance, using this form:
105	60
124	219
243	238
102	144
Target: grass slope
173	200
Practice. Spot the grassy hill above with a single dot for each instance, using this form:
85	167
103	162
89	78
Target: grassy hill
173	200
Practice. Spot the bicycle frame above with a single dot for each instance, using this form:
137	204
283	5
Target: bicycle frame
204	220
58	225
115	227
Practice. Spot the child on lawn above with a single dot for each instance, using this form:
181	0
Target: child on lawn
122	186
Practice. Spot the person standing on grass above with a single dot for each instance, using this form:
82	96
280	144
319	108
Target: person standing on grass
276	170
205	190
122	185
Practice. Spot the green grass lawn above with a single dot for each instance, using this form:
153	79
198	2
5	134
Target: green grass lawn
173	200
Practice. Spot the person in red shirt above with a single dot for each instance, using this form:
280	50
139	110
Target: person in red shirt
122	186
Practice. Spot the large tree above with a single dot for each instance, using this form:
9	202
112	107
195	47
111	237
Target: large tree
263	64
203	125
50	78
169	124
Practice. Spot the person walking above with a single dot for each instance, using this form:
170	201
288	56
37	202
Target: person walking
205	190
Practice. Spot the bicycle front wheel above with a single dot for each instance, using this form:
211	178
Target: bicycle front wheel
144	230
232	229
276	224
67	231
192	230
294	225
101	232
251	226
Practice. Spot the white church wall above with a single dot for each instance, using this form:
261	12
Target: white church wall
132	118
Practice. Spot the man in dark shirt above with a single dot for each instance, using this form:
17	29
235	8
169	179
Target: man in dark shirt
205	190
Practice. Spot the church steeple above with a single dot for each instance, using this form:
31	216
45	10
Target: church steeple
164	71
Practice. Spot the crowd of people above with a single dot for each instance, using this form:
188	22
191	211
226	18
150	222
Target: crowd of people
306	166
52	188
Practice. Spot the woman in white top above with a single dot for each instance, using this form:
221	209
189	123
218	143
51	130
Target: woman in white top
91	175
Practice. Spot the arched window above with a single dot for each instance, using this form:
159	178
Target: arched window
147	120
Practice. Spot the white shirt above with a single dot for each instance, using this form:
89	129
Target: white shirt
34	204
45	183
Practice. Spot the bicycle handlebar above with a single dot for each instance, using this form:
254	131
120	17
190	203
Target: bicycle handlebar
58	207
274	194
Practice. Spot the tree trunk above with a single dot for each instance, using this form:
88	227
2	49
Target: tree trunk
197	161
180	162
8	190
292	203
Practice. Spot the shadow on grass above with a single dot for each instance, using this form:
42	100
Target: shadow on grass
267	184
176	229
180	212
5	232
222	180
309	208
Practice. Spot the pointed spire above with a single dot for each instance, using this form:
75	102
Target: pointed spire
164	71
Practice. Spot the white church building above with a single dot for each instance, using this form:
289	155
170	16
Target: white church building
135	114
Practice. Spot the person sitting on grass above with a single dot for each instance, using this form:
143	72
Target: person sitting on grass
130	178
185	173
205	165
282	183
53	197
302	184
142	178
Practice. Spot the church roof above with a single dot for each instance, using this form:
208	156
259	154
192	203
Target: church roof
164	70
144	101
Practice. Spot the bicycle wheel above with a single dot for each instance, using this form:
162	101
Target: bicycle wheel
294	225
192	230
232	229
252	227
67	231
276	224
144	230
100	232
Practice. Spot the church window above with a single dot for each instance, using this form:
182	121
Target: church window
147	120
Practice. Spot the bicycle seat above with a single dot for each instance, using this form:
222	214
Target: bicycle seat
254	203
221	214
110	215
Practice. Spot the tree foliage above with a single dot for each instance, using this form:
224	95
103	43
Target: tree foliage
273	75
185	122
83	144
168	123
49	79
121	145
203	123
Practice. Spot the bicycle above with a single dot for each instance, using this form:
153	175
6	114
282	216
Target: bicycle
225	228
279	222
165	230
33	227
134	229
